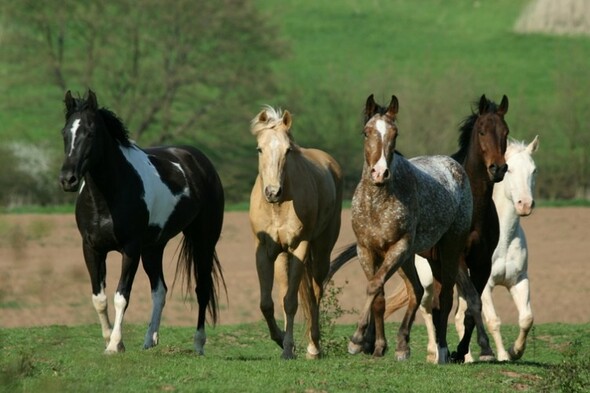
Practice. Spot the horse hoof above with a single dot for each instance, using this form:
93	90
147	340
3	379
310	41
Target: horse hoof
312	356
484	358
432	358
379	352
401	356
514	355
456	358
353	348
288	355
120	348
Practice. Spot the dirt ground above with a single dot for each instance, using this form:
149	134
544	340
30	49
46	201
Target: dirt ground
43	279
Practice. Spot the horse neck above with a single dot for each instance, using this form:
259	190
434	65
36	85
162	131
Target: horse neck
481	185
106	178
507	216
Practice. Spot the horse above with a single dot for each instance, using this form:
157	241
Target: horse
514	199
133	201
295	214
402	207
482	145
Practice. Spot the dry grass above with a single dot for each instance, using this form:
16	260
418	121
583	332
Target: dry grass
560	17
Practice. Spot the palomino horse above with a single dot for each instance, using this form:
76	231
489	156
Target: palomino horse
482	144
402	207
295	209
133	201
514	199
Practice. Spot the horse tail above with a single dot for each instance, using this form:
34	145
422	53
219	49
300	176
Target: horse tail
206	270
342	259
396	300
306	295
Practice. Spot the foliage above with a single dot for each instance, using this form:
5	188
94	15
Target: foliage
243	358
221	61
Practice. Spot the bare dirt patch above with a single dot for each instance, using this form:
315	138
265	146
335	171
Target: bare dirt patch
43	278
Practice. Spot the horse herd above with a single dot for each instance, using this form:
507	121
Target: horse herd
442	222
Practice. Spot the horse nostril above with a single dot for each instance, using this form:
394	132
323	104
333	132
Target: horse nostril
386	174
533	204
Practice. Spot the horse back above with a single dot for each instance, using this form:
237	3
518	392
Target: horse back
445	201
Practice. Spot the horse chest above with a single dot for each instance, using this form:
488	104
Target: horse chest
379	228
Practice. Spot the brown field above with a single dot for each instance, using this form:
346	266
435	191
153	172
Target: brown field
43	279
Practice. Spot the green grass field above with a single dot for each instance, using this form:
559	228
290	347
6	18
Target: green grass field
242	358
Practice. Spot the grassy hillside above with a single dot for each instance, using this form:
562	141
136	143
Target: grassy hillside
436	56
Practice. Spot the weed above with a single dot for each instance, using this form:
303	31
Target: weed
330	311
572	374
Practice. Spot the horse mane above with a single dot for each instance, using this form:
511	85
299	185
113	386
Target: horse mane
274	118
514	146
115	127
466	127
113	124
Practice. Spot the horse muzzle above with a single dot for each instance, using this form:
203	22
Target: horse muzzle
273	193
69	181
524	207
497	172
379	177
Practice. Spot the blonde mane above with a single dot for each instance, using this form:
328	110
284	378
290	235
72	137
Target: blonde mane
272	118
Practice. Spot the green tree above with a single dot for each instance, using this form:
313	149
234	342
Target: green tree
173	72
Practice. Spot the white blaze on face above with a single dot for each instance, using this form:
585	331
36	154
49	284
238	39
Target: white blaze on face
381	164
160	201
73	130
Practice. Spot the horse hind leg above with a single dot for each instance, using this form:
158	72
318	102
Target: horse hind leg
152	264
415	292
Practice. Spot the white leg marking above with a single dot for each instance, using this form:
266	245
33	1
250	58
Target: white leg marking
101	306
116	343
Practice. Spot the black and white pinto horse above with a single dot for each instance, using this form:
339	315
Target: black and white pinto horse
134	201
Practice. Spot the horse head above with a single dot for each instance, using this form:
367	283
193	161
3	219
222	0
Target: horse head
491	131
80	138
272	130
380	134
521	176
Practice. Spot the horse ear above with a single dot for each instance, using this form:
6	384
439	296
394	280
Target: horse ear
69	101
92	102
503	108
483	104
287	119
534	145
370	107
262	116
393	107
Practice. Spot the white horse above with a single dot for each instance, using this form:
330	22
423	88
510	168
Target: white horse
514	199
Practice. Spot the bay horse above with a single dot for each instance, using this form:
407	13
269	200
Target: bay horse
295	209
133	201
482	144
514	199
402	207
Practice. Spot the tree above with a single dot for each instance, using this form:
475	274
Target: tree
190	71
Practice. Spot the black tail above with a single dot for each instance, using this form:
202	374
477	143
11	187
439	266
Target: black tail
342	259
206	271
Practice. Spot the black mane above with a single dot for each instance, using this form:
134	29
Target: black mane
466	127
113	124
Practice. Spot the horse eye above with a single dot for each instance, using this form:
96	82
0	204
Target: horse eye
259	150
289	149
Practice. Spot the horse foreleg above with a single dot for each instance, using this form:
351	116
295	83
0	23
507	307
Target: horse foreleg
265	270
95	263
121	300
521	296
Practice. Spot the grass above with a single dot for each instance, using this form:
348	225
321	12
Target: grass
241	358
